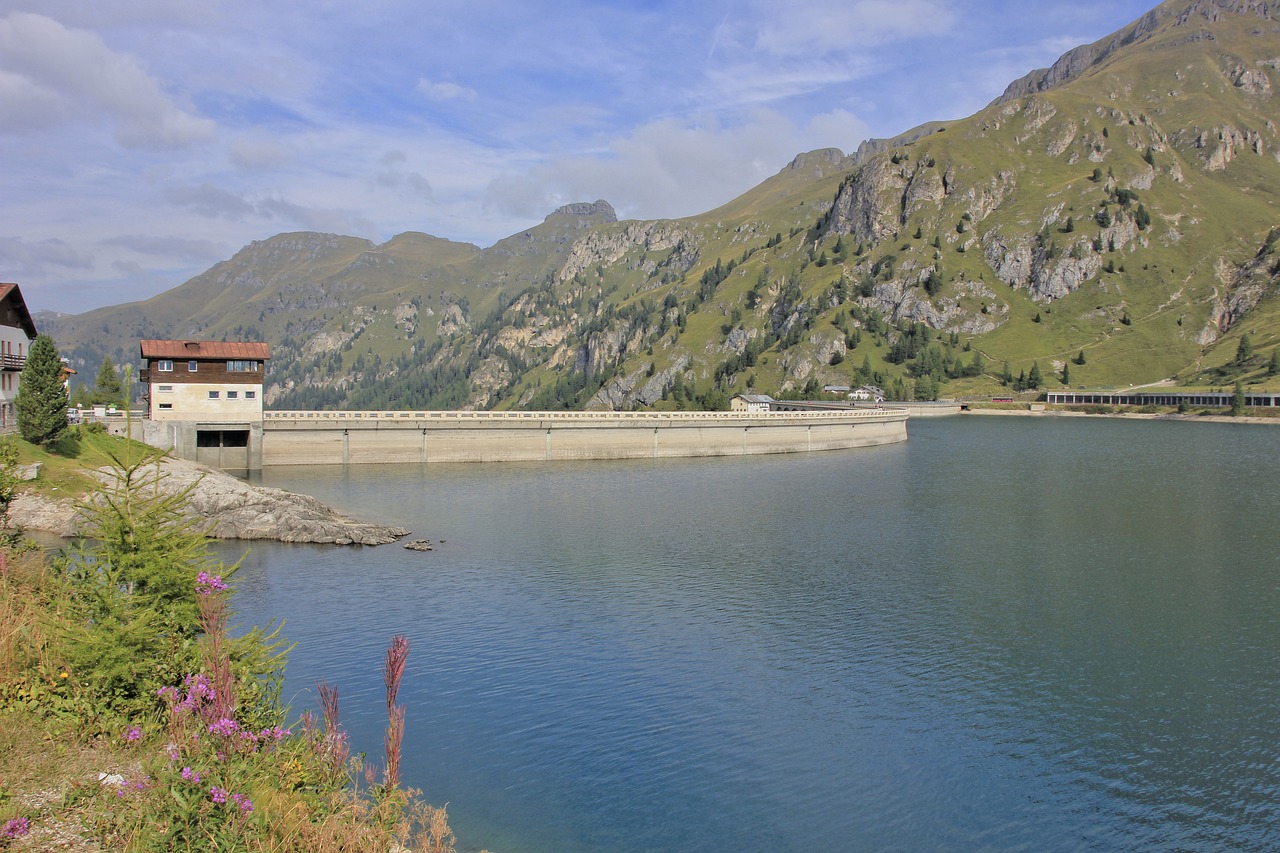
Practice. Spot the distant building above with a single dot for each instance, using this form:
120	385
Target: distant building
17	331
867	392
204	399
751	403
839	390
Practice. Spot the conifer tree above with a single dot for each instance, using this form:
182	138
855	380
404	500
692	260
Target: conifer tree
1033	378
42	396
107	389
1244	351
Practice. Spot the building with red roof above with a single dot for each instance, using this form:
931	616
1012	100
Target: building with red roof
204	399
17	331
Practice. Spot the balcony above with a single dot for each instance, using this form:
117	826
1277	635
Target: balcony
12	362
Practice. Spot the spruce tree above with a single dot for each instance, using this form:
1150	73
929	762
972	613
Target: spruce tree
106	387
42	396
1066	374
1033	378
1244	351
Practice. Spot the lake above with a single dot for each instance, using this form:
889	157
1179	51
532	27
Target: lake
1007	633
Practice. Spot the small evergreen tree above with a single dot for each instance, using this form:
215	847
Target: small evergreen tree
107	389
1237	400
1273	367
1066	374
1033	378
1244	351
1080	357
42	396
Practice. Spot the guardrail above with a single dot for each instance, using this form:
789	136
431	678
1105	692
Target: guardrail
382	415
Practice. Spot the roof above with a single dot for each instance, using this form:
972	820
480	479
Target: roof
211	350
13	295
755	398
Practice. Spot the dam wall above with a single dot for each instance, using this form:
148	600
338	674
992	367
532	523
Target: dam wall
353	438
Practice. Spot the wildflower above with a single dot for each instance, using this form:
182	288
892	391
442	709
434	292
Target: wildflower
218	795
133	735
207	584
64	674
245	804
16	828
189	775
225	727
172	751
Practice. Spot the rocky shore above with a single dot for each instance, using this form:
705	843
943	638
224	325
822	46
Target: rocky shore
227	508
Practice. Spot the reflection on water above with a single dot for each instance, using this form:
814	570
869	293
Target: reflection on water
1006	633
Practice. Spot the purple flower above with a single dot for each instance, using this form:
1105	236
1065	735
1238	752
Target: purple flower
18	827
133	735
189	775
218	795
274	733
225	727
246	805
207	584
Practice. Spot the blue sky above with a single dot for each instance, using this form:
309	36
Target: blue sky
142	141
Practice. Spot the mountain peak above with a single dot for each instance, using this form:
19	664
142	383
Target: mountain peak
1174	13
598	208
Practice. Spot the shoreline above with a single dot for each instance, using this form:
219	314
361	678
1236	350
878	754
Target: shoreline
226	507
1148	416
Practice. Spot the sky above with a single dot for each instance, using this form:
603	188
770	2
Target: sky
143	141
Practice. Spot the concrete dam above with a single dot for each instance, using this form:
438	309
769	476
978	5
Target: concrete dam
353	438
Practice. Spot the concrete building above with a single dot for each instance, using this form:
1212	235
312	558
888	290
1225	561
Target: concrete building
750	403
17	331
204	399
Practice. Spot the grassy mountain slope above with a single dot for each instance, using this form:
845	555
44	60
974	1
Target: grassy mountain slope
1112	215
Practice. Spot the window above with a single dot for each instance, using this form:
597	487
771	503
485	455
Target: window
250	395
242	367
213	395
191	366
231	395
166	405
165	365
165	389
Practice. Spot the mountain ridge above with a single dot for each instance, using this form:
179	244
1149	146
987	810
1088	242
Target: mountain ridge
1116	203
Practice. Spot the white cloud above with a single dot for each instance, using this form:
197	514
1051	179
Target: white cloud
257	154
22	257
833	26
445	91
53	75
669	168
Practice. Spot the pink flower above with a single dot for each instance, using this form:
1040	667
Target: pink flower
246	805
225	727
189	775
133	735
17	827
218	795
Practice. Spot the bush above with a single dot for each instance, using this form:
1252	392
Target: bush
124	644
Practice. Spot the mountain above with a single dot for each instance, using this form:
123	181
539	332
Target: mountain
1114	211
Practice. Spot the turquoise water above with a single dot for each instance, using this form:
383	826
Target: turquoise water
1007	634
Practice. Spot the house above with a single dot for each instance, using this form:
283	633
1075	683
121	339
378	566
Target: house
17	331
751	403
204	399
204	380
867	392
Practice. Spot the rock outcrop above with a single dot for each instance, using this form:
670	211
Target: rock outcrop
226	508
